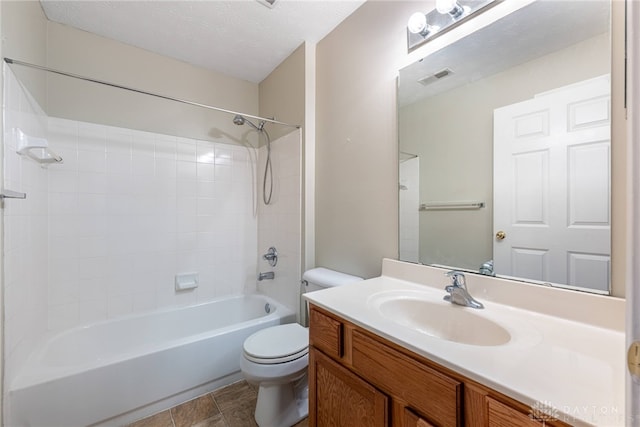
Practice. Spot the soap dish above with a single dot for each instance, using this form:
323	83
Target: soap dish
36	149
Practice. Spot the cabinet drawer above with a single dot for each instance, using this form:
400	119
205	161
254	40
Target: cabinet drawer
429	392
501	415
325	333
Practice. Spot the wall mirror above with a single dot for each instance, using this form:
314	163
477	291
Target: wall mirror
504	139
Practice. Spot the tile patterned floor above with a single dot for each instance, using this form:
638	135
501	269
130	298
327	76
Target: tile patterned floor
230	406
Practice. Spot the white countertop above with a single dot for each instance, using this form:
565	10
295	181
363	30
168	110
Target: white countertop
575	367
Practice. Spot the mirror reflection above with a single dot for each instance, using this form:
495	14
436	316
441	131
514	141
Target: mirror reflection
505	149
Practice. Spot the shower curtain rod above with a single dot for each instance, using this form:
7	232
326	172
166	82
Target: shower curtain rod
170	98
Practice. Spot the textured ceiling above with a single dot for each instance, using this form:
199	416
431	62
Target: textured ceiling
240	38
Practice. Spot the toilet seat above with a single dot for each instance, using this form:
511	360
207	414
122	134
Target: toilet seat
277	344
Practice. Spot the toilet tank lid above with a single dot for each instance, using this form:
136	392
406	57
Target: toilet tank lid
328	278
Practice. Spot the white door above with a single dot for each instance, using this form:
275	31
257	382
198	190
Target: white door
552	211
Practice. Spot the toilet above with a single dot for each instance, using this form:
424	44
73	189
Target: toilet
276	359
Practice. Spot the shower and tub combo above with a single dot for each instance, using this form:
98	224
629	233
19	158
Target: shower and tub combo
177	344
115	372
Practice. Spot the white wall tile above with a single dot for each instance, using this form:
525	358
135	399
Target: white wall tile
186	189
92	182
206	172
205	152
222	173
143	164
279	224
186	150
63	316
119	305
144	207
223	156
144	301
61	181
91	136
92	310
206	189
91	161
165	147
125	213
119	141
186	171
118	162
25	229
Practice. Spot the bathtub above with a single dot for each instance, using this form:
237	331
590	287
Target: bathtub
113	372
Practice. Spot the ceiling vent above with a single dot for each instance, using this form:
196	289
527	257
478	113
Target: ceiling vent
427	80
269	3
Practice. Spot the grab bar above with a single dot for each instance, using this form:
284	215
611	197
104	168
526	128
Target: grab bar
441	206
10	194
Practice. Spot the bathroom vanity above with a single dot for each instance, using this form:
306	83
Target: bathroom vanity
359	378
389	352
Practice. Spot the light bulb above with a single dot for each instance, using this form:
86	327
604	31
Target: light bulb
449	6
417	23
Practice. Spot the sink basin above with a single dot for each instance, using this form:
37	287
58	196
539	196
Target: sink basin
441	320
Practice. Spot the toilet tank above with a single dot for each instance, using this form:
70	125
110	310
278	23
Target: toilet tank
321	278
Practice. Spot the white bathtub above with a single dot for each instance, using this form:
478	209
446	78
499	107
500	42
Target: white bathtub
113	372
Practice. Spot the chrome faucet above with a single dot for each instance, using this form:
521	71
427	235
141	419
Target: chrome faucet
269	275
457	290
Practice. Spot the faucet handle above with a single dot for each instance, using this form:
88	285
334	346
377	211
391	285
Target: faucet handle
457	278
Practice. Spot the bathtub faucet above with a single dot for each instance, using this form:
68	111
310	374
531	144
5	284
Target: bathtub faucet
269	275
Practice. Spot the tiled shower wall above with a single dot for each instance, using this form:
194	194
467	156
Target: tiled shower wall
280	221
25	230
128	210
103	234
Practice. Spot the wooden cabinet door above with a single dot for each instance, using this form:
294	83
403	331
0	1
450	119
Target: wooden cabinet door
413	420
342	399
501	415
422	388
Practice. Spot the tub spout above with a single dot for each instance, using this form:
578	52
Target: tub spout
269	275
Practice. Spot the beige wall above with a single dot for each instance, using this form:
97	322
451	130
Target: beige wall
356	141
90	55
282	94
453	135
357	64
24	38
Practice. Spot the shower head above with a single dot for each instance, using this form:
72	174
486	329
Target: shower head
268	170
240	120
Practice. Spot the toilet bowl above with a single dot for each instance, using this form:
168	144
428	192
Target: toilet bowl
276	359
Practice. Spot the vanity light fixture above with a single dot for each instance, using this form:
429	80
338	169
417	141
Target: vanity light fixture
447	14
449	6
418	24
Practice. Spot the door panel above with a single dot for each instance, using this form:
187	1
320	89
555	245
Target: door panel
552	186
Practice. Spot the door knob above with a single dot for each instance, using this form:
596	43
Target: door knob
500	235
633	359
